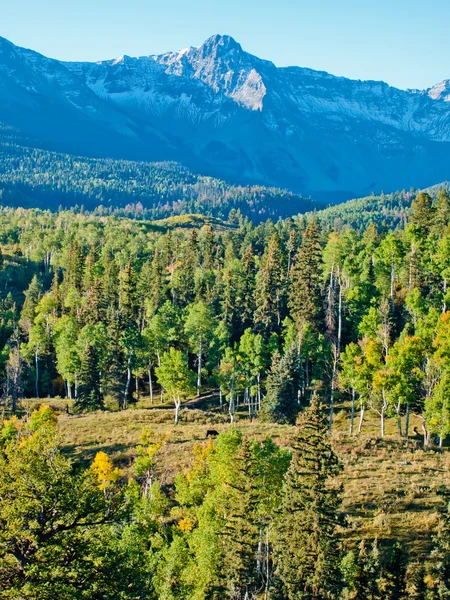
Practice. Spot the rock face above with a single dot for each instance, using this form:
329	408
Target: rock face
225	112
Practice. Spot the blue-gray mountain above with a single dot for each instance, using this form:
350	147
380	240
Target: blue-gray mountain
224	112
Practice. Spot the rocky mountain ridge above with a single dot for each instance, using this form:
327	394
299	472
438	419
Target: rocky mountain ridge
225	112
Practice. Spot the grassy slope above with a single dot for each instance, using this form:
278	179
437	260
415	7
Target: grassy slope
390	488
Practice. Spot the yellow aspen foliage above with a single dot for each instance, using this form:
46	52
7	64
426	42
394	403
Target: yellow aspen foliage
104	470
43	417
201	453
185	525
10	429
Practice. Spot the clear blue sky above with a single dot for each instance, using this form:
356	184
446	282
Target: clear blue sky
403	42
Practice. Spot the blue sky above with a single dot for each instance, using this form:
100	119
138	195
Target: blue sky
403	42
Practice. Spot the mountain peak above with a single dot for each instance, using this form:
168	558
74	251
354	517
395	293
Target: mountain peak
440	91
220	45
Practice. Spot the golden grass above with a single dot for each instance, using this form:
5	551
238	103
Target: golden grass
389	487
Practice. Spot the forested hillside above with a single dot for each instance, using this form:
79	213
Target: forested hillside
288	325
32	177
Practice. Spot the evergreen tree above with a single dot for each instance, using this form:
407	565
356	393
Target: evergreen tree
305	299
441	212
74	266
90	395
306	542
270	293
281	403
422	212
417	588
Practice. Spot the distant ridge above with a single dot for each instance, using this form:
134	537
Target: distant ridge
224	112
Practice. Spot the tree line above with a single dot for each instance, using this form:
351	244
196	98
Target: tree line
32	177
99	309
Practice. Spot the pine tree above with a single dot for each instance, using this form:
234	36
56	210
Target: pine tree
32	297
90	395
422	212
442	212
127	294
114	361
395	575
305	299
417	589
270	293
74	266
364	584
306	544
238	572
281	403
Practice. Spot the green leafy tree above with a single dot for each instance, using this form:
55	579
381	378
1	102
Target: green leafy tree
58	537
175	376
199	328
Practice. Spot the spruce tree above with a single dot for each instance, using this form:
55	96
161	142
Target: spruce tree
270	293
422	212
90	396
305	298
442	212
306	543
238	573
417	589
395	574
281	403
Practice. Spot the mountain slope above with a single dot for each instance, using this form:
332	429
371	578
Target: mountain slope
225	112
30	177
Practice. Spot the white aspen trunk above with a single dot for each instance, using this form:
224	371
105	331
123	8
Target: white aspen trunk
199	371
76	385
231	408
339	333
137	389
382	413
426	440
259	391
220	398
150	383
177	400
127	386
399	419
361	416
352	413
410	268
391	292
330	293
36	362
267	565
444	305
407	421
69	390
259	553
278	308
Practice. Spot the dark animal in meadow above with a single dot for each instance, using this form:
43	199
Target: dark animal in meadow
212	433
